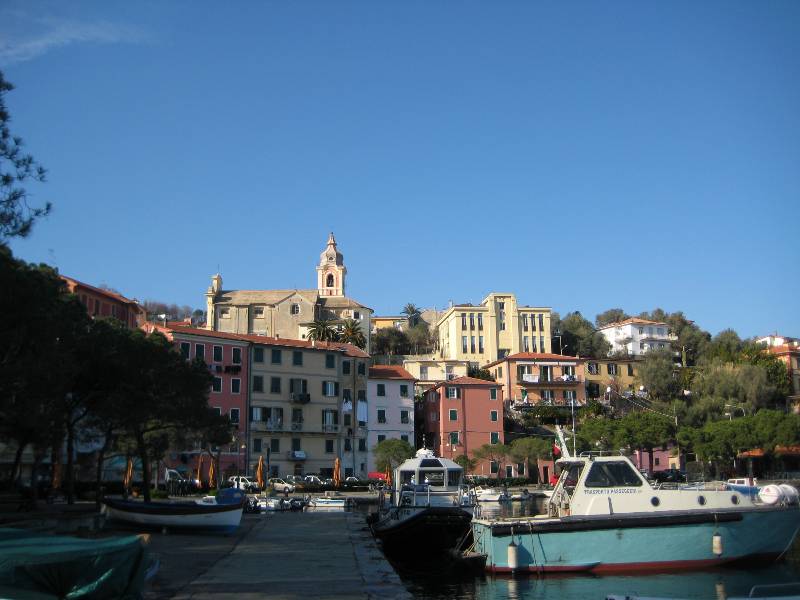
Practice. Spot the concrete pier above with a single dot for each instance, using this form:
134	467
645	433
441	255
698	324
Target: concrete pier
277	555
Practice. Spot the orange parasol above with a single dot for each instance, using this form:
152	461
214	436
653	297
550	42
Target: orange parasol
389	475
199	466
211	474
337	472
260	472
126	482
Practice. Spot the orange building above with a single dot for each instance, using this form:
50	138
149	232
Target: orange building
105	303
531	378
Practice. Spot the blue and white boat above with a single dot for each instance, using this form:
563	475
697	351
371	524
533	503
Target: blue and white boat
604	516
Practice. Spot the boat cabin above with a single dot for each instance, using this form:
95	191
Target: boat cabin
593	484
426	475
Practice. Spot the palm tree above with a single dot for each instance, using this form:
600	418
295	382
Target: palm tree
413	314
322	330
352	334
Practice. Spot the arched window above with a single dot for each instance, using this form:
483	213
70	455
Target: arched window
329	280
295	310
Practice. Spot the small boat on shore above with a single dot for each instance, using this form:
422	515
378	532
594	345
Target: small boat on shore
605	517
326	501
424	518
222	512
491	494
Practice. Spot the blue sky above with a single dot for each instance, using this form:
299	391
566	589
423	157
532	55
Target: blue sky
583	156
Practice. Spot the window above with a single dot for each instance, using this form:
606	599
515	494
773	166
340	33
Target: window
224	313
500	372
381	389
593	368
480	321
641	330
217	353
216	385
330	388
472	320
294	309
463	343
463	320
656	462
347	420
494	467
330	361
234	415
472	344
404	417
258	383
650	331
258	355
611	368
434	416
545	373
493	394
328	446
258	311
275	445
404	437
570	396
494	437
236	385
630	370
329	280
275	385
452	392
404	390
362	445
185	349
381	438
501	305
454	438
356	315
547	396
480	344
256	444
296	445
237	356
381	415
217	410
525	345
541	326
612	474
660	331
533	343
276	356
345	367
525	323
348	446
361	368
493	415
200	351
297	358
297	415
453	414
541	342
423	373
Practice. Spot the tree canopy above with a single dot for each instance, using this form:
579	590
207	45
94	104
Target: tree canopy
391	452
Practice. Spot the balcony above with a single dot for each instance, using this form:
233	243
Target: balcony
299	398
296	455
329	428
535	380
297	426
267	425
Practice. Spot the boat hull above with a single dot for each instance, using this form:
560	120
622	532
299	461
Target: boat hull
637	542
183	515
426	530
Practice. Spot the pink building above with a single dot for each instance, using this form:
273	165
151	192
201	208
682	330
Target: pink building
227	358
462	415
105	303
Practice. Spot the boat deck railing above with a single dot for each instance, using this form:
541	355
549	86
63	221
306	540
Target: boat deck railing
421	494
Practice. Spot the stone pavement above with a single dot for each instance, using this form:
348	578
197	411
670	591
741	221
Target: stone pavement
277	555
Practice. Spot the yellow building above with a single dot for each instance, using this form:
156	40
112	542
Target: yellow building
494	329
609	377
399	322
430	370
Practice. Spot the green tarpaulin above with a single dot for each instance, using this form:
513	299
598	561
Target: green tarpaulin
34	565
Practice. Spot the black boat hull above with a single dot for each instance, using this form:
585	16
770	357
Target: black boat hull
426	531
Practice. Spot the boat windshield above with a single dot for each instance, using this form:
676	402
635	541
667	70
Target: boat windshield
571	475
406	477
612	474
454	477
433	477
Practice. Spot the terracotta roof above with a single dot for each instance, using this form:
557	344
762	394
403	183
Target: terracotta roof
534	356
72	283
783	349
633	321
465	381
181	327
389	372
781	450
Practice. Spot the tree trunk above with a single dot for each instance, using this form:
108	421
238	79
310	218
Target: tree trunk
142	452
98	481
70	474
15	474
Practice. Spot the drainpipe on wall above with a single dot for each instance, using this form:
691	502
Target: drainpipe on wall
247	401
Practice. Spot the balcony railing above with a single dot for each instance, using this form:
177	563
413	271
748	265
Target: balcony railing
528	379
296	455
299	398
329	428
297	426
267	425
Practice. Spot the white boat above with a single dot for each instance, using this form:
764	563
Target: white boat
273	504
605	517
327	501
490	494
222	512
426	517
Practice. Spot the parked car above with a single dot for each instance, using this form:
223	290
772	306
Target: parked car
352	479
312	480
669	475
280	485
243	483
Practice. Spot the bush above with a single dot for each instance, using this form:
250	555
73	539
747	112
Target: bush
159	495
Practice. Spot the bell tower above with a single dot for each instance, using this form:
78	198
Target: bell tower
331	270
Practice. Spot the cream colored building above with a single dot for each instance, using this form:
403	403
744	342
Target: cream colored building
308	406
430	370
287	313
492	330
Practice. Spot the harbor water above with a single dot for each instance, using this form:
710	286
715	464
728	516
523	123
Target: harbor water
445	580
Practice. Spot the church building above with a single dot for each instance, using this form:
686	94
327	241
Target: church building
288	313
